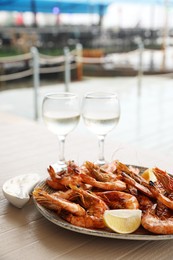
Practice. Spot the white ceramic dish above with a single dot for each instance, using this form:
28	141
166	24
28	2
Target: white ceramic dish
17	190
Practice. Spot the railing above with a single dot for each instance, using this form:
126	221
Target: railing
37	62
66	63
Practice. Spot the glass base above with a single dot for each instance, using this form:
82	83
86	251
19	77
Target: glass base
59	166
100	162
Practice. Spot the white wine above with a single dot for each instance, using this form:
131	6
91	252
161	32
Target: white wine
61	113
61	125
101	126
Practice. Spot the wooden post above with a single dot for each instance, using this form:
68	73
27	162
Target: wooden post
79	51
165	36
2	83
36	80
67	74
140	70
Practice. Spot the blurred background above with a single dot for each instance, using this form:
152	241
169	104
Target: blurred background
110	29
84	45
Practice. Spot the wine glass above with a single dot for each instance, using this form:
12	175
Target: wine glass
101	113
61	114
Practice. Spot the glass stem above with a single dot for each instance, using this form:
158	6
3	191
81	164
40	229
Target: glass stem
61	148
101	139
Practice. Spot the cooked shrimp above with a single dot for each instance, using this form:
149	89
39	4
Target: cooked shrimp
144	202
86	221
91	202
154	224
57	203
131	189
132	177
115	185
64	178
99	173
131	171
42	198
162	211
160	197
95	208
82	194
119	199
165	179
68	194
150	189
110	167
54	184
137	185
54	175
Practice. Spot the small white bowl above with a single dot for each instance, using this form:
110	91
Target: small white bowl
17	190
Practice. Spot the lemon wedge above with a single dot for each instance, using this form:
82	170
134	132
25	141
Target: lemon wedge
149	175
123	221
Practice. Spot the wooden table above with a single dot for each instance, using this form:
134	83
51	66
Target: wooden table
24	233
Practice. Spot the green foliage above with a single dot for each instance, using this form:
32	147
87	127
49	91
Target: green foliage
7	52
51	52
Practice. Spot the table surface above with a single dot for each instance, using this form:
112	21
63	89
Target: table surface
28	147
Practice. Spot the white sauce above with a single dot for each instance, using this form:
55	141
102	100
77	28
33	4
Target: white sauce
17	190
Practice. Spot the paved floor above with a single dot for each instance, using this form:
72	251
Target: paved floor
146	117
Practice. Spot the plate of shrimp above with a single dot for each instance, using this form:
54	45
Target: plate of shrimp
77	197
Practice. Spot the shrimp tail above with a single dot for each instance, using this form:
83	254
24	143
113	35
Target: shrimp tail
57	203
164	178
